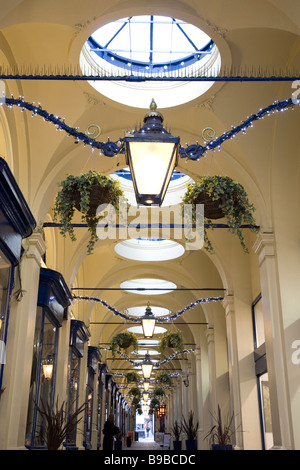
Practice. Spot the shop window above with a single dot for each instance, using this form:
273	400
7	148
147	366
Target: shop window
99	409
265	411
73	388
258	322
78	336
5	288
42	383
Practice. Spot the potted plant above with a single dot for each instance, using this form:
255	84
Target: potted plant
190	429
132	377
58	424
220	435
176	432
85	193
123	341
163	378
158	392
222	197
172	340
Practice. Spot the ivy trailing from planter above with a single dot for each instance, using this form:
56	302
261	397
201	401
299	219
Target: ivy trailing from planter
222	197
135	392
158	392
172	340
85	193
124	341
132	377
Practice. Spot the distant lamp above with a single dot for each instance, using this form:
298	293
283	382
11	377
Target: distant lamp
147	367
146	396
161	411
145	409
146	384
47	366
152	155
148	323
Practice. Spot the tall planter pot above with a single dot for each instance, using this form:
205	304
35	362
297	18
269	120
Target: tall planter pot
177	445
221	447
191	444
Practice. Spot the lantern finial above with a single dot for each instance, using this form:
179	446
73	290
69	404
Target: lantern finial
153	111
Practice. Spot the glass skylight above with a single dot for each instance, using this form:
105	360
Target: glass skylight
149	249
140	311
150	44
148	286
139	330
153	47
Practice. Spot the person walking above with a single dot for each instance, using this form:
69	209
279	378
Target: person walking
109	431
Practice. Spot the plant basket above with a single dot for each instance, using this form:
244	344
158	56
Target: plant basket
85	193
222	197
123	341
213	209
97	196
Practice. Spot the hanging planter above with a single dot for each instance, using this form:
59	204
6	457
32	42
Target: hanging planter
132	377
154	403
172	340
163	378
135	392
158	392
222	197
123	341
85	193
136	402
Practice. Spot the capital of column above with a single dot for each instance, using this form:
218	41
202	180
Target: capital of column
198	354
210	335
264	246
34	245
228	304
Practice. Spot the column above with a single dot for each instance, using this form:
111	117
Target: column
185	403
21	328
211	354
94	429
82	396
179	399
199	397
264	247
233	365
62	361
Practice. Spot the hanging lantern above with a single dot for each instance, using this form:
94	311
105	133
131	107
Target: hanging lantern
146	384
146	396
152	155
47	367
147	367
148	323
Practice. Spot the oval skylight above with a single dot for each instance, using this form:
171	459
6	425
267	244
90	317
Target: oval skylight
148	342
148	286
139	330
142	352
149	249
174	194
140	311
150	46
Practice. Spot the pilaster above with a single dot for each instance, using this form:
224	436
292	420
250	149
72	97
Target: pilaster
19	351
264	247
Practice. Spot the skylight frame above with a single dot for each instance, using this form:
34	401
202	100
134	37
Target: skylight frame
150	66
